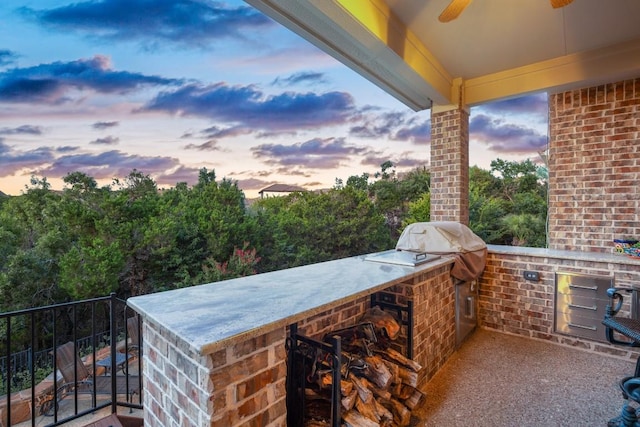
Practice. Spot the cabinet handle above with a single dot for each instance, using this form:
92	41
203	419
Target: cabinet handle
585	307
589	288
470	311
591	328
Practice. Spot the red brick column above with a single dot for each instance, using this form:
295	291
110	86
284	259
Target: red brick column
594	166
450	165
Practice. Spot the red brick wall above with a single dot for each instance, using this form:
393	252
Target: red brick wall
594	166
511	304
434	335
450	166
244	384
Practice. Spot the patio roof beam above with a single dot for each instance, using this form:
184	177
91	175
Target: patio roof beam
368	38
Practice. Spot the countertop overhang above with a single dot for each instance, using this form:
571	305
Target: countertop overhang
212	316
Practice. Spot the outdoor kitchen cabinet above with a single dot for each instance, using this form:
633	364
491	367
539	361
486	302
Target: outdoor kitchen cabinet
581	301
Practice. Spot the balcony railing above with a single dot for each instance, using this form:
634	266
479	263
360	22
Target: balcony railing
64	361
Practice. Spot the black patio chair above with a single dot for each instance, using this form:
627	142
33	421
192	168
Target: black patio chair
629	328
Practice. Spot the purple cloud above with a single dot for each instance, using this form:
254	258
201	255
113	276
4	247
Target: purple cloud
315	153
416	131
218	132
50	83
378	125
305	77
107	165
104	125
11	161
186	22
210	145
247	106
109	140
504	137
22	130
393	125
180	174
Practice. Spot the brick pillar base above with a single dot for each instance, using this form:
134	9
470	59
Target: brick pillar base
450	165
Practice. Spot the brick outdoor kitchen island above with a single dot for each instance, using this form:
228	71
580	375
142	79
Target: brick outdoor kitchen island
214	354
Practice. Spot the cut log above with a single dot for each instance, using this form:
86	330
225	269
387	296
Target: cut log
363	392
349	401
326	381
415	399
383	321
401	414
408	376
396	356
368	409
377	391
394	368
400	374
384	414
397	390
354	419
378	372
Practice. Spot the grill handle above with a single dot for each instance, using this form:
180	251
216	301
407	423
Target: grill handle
420	256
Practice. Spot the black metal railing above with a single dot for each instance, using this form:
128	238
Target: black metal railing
53	356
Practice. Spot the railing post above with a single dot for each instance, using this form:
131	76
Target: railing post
113	327
9	371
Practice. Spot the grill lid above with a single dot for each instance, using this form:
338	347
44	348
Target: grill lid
443	237
447	237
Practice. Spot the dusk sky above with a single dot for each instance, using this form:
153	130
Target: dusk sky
168	87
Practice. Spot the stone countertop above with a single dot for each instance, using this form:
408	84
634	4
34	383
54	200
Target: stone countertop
212	316
563	254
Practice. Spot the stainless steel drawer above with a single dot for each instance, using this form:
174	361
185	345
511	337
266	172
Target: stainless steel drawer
580	326
580	305
583	285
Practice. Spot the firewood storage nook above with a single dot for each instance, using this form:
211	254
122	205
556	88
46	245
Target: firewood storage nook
215	354
355	374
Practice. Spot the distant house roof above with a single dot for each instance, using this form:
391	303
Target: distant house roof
280	188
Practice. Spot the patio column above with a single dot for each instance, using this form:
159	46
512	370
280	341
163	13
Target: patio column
450	163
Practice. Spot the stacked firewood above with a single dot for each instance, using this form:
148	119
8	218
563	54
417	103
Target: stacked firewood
378	386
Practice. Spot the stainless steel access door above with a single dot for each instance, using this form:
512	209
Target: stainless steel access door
466	309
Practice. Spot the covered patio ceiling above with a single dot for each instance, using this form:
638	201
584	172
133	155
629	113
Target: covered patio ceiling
496	49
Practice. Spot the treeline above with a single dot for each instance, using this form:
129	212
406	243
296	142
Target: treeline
132	238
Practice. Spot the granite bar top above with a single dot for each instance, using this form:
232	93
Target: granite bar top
212	316
614	258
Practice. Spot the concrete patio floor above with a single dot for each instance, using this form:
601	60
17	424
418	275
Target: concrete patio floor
500	380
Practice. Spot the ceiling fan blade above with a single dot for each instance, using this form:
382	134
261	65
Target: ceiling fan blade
560	3
454	9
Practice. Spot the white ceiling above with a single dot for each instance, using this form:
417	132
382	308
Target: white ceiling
496	35
496	49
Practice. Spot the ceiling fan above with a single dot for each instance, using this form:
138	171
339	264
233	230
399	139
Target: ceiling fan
455	8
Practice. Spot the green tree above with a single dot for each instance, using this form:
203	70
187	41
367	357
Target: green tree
33	239
392	194
91	269
303	228
524	228
419	211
